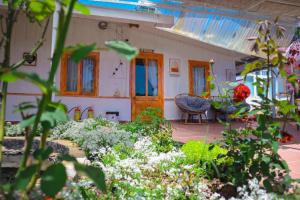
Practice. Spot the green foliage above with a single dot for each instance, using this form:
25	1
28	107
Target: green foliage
80	51
254	152
39	10
47	114
123	49
148	122
53	179
163	141
35	79
199	151
253	157
210	157
285	107
23	180
123	150
94	173
54	114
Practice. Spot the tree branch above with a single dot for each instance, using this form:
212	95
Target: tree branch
1	24
35	49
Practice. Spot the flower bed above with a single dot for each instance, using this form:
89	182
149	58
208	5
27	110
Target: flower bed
144	165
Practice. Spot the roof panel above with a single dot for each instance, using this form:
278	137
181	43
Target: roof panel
226	23
222	31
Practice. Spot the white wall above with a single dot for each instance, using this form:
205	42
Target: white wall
87	31
25	37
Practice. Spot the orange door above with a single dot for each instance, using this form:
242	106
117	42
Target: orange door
146	83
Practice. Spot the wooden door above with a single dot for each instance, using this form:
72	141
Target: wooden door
146	83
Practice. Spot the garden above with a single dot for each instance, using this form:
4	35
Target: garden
140	159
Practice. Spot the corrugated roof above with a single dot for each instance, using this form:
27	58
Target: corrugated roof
222	31
215	22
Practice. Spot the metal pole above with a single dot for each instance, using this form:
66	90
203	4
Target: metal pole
54	36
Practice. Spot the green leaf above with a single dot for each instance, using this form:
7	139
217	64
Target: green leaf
8	77
17	3
82	8
275	61
267	185
282	72
275	146
266	159
68	158
50	118
122	48
251	67
53	179
285	106
210	78
42	154
292	78
94	173
27	122
81	51
25	176
216	104
204	94
30	77
39	10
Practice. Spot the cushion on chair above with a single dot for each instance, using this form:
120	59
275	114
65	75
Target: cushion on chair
232	108
192	104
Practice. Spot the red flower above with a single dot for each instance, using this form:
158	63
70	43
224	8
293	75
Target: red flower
241	92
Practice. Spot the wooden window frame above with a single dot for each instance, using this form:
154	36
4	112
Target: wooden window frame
147	56
63	76
193	63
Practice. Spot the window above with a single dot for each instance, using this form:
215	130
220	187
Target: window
279	84
80	78
198	76
146	69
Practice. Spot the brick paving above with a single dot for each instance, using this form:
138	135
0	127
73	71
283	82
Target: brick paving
212	131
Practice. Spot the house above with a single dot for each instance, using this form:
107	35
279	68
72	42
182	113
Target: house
174	58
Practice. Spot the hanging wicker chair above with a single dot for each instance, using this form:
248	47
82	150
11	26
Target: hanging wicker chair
192	106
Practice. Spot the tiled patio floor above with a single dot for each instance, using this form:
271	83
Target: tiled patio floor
212	131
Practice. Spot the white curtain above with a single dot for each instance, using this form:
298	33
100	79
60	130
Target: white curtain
199	80
71	76
152	78
87	75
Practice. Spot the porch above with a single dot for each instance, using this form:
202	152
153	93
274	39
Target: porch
212	131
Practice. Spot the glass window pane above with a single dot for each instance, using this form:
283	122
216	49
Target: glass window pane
71	76
88	66
152	78
140	78
249	82
199	80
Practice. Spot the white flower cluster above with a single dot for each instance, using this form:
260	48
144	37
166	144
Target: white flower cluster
91	135
134	169
13	129
146	174
252	191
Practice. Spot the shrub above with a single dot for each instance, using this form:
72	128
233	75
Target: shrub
149	122
210	157
91	134
163	141
199	151
13	130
